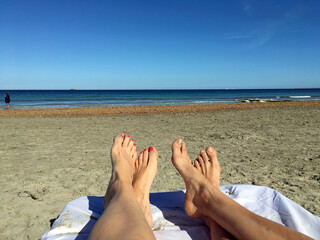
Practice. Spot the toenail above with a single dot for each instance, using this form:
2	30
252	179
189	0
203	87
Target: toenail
131	139
145	150
134	144
128	136
150	149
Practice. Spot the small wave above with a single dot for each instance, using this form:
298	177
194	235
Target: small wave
299	96
201	102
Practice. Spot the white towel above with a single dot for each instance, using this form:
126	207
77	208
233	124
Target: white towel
171	222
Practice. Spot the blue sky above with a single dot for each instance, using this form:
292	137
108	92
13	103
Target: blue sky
165	44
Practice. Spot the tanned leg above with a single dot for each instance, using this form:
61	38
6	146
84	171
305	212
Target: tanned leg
145	171
203	199
122	217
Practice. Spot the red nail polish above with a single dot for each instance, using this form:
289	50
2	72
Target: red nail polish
134	144
123	135
128	136
150	149
131	139
141	152
145	150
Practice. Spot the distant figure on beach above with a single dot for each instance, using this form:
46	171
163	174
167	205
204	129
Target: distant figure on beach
127	213
7	99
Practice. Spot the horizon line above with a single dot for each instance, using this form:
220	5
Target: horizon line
162	89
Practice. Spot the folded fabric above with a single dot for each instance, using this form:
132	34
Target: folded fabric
171	222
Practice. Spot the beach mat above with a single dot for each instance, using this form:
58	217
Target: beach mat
171	222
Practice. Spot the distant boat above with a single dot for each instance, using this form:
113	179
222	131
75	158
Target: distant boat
73	89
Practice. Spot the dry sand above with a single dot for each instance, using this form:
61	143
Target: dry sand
49	158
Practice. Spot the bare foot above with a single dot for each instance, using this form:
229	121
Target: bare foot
207	164
196	184
123	155
145	171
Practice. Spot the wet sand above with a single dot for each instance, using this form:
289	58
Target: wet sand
52	156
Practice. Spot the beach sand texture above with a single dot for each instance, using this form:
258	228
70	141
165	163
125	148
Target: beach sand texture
49	161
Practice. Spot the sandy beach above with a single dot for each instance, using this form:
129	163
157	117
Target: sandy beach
52	156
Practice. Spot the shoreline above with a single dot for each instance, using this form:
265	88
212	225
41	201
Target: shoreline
158	109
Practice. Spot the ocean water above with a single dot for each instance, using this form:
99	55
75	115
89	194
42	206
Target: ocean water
108	98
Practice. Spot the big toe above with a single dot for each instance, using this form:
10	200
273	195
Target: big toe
153	153
212	154
153	156
176	146
118	140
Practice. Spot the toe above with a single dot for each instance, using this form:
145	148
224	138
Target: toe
176	146
140	159
180	157
134	147
202	164
135	155
197	165
153	155
136	166
204	155
145	157
211	152
130	144
207	164
153	152
118	139
213	156
184	148
126	141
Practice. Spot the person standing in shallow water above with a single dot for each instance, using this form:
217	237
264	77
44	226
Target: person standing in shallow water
7	99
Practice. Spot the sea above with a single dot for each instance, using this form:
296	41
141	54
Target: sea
25	99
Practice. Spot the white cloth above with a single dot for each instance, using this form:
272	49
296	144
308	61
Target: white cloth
171	222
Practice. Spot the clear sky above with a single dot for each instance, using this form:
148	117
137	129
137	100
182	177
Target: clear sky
159	44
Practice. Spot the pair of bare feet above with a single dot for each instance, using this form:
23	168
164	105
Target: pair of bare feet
127	212
137	171
140	170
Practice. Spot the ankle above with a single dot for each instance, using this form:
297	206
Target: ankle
119	177
206	195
